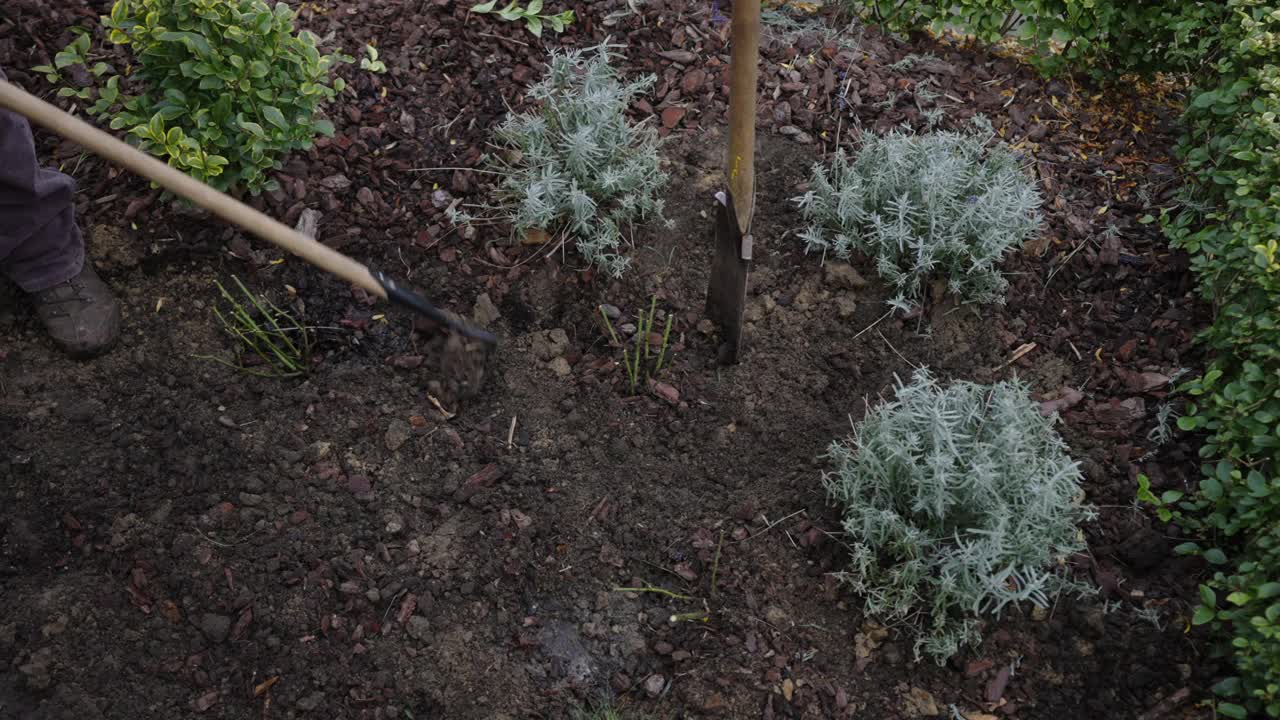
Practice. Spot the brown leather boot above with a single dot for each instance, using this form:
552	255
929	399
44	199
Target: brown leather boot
81	314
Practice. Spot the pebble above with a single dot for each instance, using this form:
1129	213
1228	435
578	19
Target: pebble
397	435
654	684
215	627
419	628
311	702
611	311
485	313
227	422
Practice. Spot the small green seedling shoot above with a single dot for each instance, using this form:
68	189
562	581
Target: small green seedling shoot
531	14
371	62
281	344
640	361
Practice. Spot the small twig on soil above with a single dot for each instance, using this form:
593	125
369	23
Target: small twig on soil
1063	264
652	589
770	526
460	169
1074	350
656	566
867	328
507	39
689	617
511	433
895	350
1018	354
1166	707
715	565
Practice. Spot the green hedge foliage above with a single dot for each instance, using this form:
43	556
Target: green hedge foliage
225	88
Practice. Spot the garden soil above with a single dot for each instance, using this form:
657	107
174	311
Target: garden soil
184	540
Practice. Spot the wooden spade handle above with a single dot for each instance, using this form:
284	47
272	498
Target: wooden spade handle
744	61
179	183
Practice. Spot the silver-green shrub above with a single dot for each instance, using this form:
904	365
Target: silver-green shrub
939	203
577	165
957	501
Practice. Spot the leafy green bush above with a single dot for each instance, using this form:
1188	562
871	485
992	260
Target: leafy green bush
923	205
957	500
1231	230
532	15
225	87
577	166
1112	36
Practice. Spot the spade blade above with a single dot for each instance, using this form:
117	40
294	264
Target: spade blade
727	292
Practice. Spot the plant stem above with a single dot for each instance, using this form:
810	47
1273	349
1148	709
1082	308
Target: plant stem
658	590
662	354
715	566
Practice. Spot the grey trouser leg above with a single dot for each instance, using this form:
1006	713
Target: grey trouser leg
40	243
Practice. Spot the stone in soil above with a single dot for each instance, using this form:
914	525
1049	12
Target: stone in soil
419	628
485	313
215	627
653	685
397	435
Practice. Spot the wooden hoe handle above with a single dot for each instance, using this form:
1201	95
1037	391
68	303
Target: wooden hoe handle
220	204
744	60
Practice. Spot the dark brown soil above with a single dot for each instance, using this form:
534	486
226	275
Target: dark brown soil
177	534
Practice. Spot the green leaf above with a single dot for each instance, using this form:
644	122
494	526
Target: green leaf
534	25
511	12
534	7
1211	488
1208	596
1233	711
67	92
1268	590
1215	556
1239	598
484	7
275	117
1202	615
324	127
252	127
1230	687
66	58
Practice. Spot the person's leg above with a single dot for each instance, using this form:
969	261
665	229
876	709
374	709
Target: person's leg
41	248
40	245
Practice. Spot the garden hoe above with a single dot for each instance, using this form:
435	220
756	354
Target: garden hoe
727	290
234	211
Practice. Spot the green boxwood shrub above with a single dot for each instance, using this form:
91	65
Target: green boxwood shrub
225	88
957	501
1232	230
1108	36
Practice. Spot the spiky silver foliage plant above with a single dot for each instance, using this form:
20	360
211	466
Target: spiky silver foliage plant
940	203
577	164
957	501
